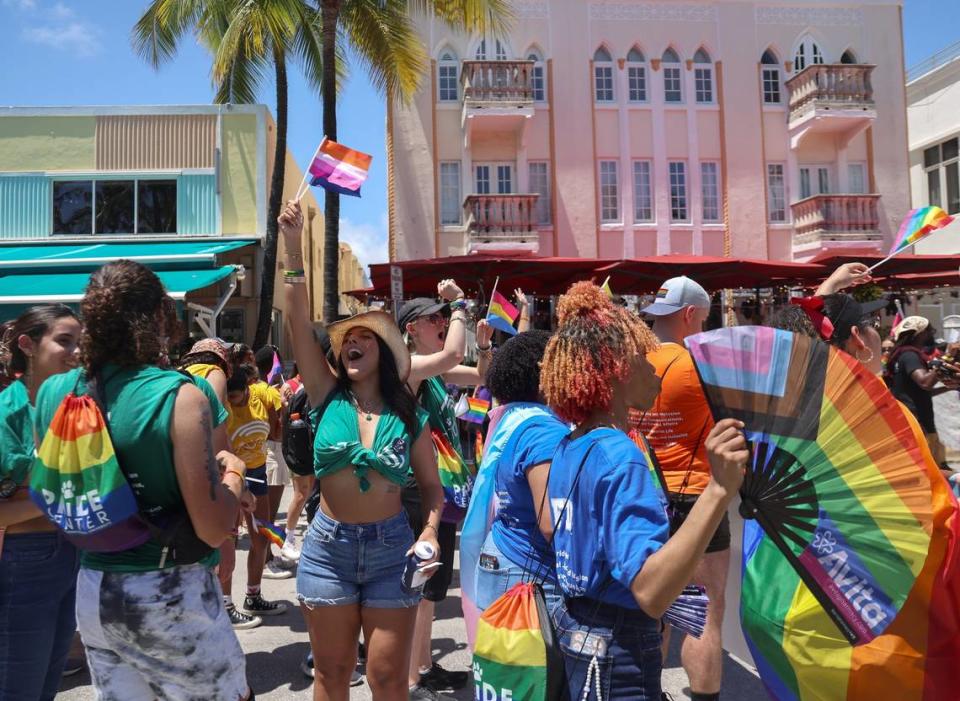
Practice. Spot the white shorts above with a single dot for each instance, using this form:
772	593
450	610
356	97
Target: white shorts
278	474
159	634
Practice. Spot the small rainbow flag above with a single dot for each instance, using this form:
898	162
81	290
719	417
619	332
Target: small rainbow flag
270	531
501	314
339	169
454	479
477	410
917	224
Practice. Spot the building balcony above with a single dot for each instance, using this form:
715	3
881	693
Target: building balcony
831	98
850	223
497	95
501	223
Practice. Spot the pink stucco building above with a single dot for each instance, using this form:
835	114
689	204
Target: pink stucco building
627	129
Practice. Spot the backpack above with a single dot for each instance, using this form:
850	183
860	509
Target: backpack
297	437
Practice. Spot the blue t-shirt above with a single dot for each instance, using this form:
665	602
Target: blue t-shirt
515	530
616	517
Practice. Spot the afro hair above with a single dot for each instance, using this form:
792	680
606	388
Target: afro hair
514	374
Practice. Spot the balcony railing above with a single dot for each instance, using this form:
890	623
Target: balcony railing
837	218
830	86
497	81
501	217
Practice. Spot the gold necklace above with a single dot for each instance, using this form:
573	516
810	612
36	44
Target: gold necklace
360	410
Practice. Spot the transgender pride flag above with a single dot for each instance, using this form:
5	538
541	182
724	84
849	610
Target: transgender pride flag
339	169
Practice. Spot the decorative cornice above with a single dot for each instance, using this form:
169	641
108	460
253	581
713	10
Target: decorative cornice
531	9
810	16
653	12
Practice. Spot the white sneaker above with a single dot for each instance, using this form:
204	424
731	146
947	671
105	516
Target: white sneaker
274	570
290	550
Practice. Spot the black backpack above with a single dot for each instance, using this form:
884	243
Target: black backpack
297	436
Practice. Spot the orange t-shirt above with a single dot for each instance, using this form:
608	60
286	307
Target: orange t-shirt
677	425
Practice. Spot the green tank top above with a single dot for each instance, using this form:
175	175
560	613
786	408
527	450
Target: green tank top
17	451
139	404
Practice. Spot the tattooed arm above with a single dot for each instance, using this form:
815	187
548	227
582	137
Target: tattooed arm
211	503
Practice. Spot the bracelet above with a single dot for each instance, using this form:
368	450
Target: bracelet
459	318
488	349
235	472
458	305
294	280
300	272
430	525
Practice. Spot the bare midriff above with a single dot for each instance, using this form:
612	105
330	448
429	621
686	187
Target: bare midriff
342	500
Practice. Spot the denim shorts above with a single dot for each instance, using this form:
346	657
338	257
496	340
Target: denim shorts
608	649
350	563
496	575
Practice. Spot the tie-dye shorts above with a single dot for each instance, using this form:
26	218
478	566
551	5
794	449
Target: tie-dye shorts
162	634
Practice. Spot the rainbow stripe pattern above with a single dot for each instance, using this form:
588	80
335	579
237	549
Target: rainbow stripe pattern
917	224
501	314
510	654
850	587
272	532
456	480
477	410
337	168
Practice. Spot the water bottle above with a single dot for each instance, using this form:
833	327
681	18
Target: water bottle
413	578
296	421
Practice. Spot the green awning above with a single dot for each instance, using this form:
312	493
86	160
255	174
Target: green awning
47	287
195	254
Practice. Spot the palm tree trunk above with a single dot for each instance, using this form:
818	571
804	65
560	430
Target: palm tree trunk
265	315
330	10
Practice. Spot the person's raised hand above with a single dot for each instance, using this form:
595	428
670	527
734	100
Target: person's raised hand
521	299
847	275
291	222
728	453
484	334
449	290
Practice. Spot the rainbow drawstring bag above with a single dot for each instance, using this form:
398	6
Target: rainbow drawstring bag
77	481
516	655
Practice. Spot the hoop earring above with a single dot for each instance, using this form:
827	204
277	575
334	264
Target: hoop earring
868	360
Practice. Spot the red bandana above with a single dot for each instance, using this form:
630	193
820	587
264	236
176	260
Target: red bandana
813	308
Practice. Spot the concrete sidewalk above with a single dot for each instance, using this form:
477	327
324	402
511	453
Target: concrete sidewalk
276	649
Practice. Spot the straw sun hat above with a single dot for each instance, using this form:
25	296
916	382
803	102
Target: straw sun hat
383	325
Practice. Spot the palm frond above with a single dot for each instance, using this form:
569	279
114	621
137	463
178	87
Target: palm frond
242	82
491	17
162	25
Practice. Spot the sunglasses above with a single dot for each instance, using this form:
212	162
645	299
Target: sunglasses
435	318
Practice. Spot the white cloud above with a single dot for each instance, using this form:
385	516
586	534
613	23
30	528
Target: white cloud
60	11
21	4
58	28
368	241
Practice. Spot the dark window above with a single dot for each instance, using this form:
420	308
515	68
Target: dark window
114	207
953	188
933	187
931	156
73	208
949	149
157	207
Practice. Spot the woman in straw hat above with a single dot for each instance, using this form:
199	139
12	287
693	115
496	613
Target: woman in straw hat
369	438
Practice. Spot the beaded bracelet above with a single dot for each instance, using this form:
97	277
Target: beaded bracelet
458	305
295	273
290	280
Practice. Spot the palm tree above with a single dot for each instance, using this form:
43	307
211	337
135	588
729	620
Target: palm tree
383	36
247	38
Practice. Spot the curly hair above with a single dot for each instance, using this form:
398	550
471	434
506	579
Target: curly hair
514	374
594	348
122	307
793	318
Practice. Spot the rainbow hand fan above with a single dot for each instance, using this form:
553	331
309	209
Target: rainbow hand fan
847	590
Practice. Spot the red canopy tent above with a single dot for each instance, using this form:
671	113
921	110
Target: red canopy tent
913	264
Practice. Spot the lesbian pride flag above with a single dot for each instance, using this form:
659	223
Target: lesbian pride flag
501	314
337	168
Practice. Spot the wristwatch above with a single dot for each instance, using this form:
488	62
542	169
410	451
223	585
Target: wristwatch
8	488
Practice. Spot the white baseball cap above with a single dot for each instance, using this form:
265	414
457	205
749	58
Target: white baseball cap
676	294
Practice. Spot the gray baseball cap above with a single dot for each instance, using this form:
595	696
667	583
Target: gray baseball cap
675	294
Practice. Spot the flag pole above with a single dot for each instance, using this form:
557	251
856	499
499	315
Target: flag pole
492	293
877	265
301	191
605	282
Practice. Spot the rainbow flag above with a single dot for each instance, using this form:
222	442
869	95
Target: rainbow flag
271	532
917	224
276	370
501	314
477	410
337	168
456	481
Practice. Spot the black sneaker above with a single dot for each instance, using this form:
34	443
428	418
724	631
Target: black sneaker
256	605
356	679
440	679
240	620
422	693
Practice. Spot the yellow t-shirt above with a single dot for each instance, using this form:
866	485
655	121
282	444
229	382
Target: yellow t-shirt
248	427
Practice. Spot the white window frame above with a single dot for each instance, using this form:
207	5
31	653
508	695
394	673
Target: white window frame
543	207
776	193
704	88
494	177
609	196
538	77
812	176
644	203
500	51
807	53
938	173
672	72
450	190
711	180
638	86
679	192
605	94
445	66
861	168
770	75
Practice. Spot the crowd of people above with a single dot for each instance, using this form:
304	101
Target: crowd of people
209	440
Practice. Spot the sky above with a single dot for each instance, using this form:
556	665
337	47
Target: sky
78	52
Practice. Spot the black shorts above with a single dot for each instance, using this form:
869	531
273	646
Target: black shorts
680	505
437	586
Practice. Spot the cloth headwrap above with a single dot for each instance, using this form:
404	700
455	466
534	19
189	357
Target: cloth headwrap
813	308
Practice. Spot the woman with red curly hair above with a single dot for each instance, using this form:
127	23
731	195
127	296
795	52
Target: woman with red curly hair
615	568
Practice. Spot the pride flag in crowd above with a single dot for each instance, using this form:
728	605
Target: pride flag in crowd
337	168
476	410
276	370
501	314
917	224
270	531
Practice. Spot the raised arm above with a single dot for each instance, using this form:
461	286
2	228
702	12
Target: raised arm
466	376
847	275
523	305
423	367
318	378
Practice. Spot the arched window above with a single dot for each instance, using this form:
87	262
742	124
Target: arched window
848	57
538	79
672	78
703	77
448	76
637	75
770	78
808	53
500	53
603	76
